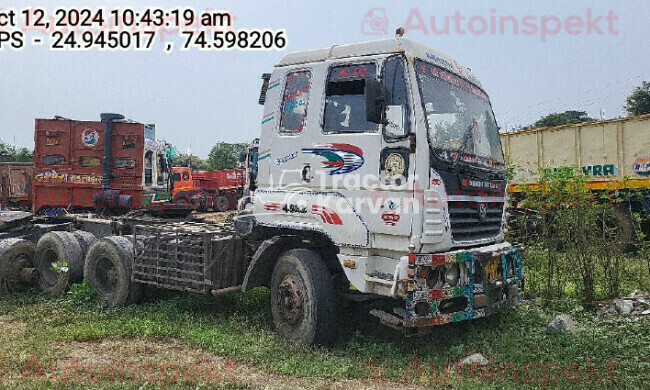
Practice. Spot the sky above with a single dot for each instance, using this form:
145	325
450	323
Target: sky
552	62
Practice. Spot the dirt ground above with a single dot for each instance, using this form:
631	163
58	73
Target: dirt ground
160	362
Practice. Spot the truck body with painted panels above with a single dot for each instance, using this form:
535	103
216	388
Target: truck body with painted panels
614	154
69	170
16	184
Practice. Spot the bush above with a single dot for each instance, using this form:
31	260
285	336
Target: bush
582	243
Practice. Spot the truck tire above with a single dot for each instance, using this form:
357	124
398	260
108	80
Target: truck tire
303	298
62	248
15	255
202	206
221	203
108	269
85	240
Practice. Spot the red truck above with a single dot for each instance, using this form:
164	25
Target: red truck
76	168
219	190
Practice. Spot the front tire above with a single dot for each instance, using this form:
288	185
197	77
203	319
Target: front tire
303	298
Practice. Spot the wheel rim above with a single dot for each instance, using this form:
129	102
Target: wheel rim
48	275
106	274
290	300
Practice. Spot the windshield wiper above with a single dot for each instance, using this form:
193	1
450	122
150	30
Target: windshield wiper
463	146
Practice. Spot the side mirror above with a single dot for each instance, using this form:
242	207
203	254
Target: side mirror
394	125
242	158
374	92
265	85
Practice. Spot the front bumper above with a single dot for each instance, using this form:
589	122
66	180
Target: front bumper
489	281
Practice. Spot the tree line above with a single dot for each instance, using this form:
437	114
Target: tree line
638	103
12	153
223	155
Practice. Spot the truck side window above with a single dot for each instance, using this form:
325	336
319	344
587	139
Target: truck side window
294	102
148	168
394	79
345	109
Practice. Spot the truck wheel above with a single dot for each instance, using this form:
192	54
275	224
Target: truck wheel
16	255
202	206
221	203
61	248
85	240
108	269
303	298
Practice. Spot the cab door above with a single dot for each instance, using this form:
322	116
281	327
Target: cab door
294	128
397	152
343	156
369	164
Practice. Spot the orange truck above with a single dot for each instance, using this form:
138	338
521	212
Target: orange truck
218	190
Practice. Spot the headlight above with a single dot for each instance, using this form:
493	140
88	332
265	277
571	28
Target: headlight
452	275
436	277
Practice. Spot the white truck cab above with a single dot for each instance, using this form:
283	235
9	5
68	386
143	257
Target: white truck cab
387	154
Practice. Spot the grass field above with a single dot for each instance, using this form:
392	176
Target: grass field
235	334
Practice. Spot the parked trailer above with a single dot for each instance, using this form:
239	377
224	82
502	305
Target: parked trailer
614	154
16	184
434	246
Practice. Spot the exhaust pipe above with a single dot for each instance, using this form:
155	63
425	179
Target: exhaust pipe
107	173
109	199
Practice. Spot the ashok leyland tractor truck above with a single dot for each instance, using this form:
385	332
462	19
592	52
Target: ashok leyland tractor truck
378	173
380	165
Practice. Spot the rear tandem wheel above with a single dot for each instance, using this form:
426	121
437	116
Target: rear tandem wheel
108	269
16	265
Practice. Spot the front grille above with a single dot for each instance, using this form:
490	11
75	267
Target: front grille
466	224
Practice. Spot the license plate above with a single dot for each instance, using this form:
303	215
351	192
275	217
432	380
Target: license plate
491	270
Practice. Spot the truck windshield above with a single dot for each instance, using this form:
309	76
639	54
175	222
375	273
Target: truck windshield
461	125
